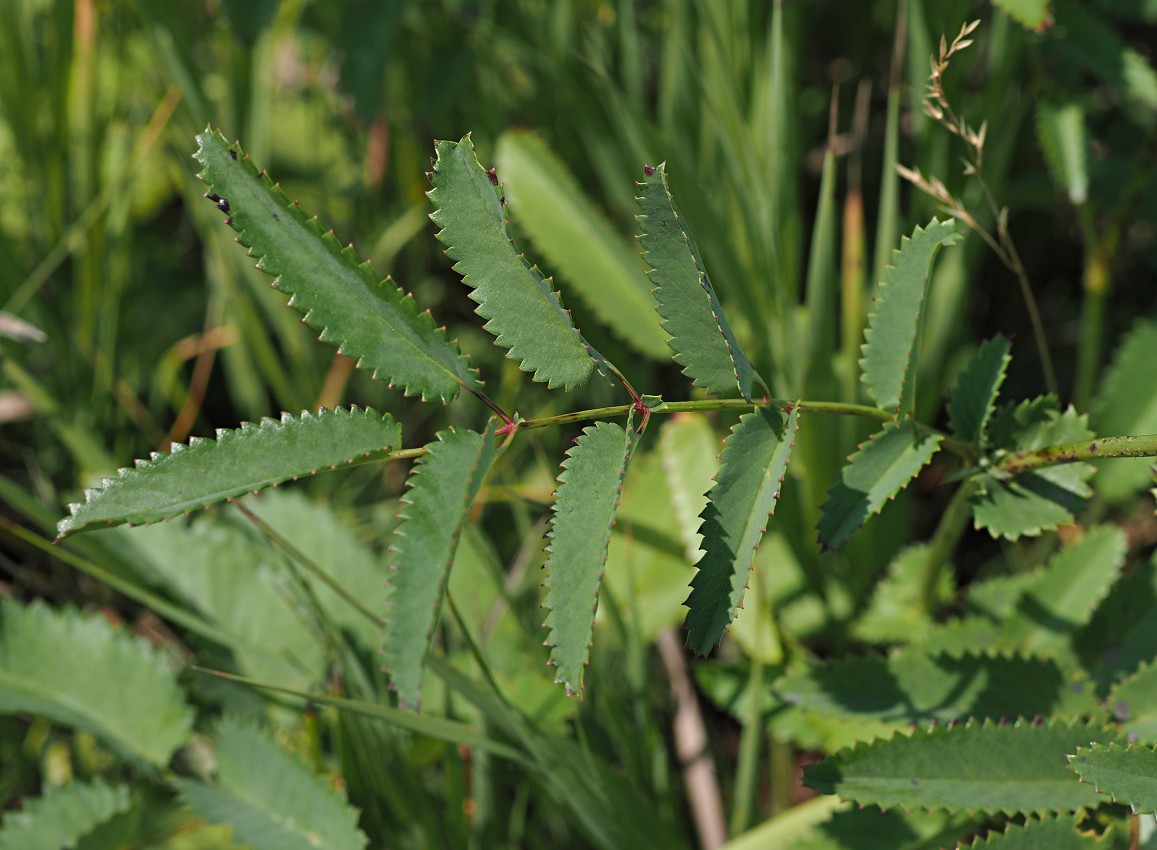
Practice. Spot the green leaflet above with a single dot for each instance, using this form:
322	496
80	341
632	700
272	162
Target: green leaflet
1097	46
754	462
896	613
1133	702
973	398
1127	404
79	671
1126	775
1037	501
269	799
1047	833
369	319
580	531
1060	130
239	461
1014	768
941	687
521	307
571	232
700	336
689	449
878	471
63	816
441	491
1034	14
894	322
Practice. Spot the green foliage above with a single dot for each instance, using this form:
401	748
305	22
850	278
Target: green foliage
269	799
81	672
369	319
580	531
876	473
442	490
1124	774
1127	404
891	341
985	767
753	466
1062	833
245	460
523	311
703	342
973	399
1064	142
63	816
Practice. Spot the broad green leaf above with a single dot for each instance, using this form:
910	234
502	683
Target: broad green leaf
580	530
369	319
79	671
892	337
912	686
1127	404
1124	774
896	612
1037	501
1133	703
269	799
1060	129
754	462
973	398
521	307
242	460
1062	598
580	243
1097	46
1034	14
63	816
1048	833
702	340
878	471
989	767
441	491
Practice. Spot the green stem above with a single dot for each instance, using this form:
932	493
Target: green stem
948	533
1142	445
747	769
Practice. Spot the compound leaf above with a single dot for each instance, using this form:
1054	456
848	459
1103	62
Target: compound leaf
973	398
442	489
1124	774
63	816
986	767
702	340
594	260
893	325
239	461
878	471
580	531
1127	404
522	309
369	319
754	462
269	799
79	671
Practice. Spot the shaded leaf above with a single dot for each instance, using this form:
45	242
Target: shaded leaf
912	686
894	322
877	472
369	319
1100	49
870	828
973	399
1127	404
269	799
239	461
588	492
1124	774
1047	833
702	340
754	462
521	307
1133	703
1016	768
689	449
580	243
896	611
1060	129
79	671
63	816
1034	14
442	488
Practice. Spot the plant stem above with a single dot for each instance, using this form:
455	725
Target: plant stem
747	770
948	533
1142	445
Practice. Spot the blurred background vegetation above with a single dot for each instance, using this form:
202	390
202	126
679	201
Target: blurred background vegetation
131	320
